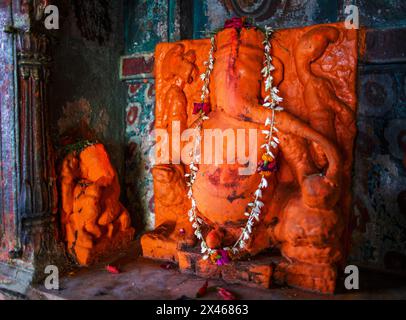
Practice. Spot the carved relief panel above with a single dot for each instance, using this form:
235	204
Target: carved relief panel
307	205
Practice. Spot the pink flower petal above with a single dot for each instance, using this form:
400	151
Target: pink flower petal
112	269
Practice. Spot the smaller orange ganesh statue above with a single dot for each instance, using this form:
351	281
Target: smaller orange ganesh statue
94	222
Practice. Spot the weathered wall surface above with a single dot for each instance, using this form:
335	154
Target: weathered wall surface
210	14
7	176
379	222
86	93
379	183
146	24
8	129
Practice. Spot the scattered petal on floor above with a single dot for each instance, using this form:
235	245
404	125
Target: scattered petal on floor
203	290
225	294
112	269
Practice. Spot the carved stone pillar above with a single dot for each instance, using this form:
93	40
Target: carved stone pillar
36	231
37	177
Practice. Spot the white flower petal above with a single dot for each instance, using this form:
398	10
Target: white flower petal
268	122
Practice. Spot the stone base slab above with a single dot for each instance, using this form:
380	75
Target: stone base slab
103	249
261	271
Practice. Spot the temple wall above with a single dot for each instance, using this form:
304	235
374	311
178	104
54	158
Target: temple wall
85	89
160	22
379	178
8	131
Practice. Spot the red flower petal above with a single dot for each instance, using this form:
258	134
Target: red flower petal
196	108
237	22
225	294
203	290
205	107
112	269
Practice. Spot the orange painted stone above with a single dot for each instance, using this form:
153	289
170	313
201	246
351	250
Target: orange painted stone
95	223
308	202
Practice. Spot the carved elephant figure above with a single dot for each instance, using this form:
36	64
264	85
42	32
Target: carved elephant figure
301	216
91	210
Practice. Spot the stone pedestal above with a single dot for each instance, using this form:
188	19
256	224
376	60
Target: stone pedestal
253	273
262	271
156	245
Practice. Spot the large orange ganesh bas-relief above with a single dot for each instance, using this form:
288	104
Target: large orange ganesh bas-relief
308	201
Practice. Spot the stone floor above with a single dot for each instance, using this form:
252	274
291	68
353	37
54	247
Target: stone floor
145	279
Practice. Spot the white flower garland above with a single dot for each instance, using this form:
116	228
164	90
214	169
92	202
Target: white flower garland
271	101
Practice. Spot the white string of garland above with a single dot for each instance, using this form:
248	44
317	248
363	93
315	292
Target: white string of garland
271	102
